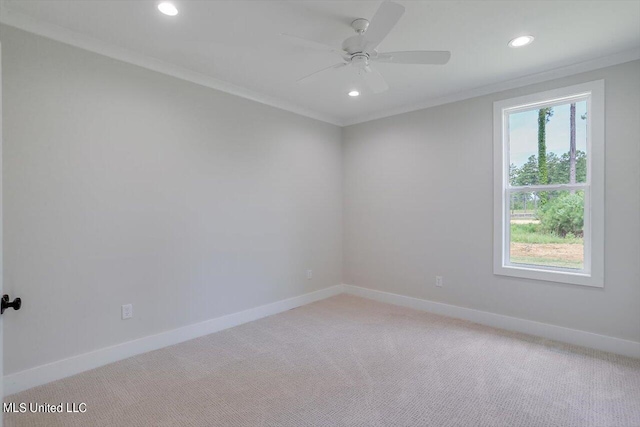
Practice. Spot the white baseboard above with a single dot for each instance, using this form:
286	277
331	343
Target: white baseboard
552	332
43	374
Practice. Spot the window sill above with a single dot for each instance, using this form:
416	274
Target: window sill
567	277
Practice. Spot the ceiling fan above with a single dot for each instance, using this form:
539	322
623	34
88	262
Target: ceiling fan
360	51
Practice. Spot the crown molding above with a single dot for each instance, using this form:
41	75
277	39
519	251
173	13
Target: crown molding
556	73
63	35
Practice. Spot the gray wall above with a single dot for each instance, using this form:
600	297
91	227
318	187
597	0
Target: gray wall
122	185
418	194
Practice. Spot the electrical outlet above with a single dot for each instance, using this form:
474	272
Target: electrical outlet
309	274
127	311
439	281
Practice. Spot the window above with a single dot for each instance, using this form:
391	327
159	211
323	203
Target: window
549	185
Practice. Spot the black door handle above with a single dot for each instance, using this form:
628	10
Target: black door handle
4	303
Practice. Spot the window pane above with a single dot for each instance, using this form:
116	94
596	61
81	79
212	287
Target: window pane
547	229
560	134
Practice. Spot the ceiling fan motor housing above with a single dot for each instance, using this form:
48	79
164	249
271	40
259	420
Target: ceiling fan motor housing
354	45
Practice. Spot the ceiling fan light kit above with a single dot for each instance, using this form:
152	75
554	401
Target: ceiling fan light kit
360	51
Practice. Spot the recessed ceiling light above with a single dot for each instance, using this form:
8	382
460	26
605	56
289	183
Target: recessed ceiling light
354	93
521	41
167	8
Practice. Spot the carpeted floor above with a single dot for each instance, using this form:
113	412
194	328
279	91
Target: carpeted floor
348	361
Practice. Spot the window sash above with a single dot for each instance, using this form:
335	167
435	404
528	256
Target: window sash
586	238
508	189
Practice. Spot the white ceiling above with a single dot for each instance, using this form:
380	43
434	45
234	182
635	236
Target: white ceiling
238	44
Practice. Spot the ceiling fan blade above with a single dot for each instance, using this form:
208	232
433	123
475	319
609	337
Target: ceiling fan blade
375	81
315	73
312	44
382	23
434	57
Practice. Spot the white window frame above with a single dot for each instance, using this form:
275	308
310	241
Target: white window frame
593	272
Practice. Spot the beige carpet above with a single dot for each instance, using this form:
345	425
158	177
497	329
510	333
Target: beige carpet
347	361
